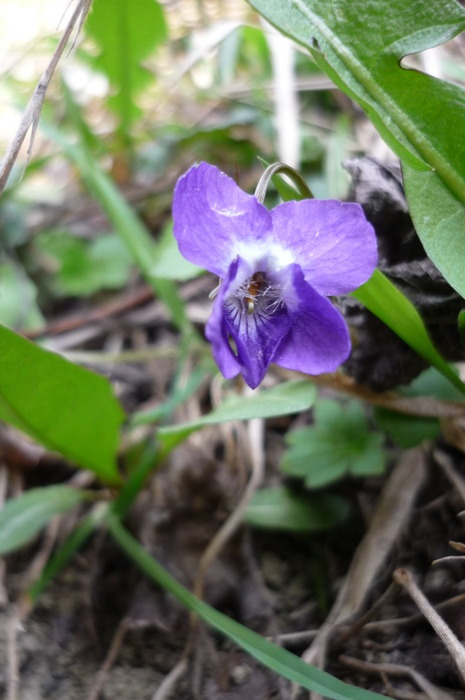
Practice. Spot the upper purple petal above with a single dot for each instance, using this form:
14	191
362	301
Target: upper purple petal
332	242
318	340
212	215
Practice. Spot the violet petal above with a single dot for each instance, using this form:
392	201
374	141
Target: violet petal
217	332
332	242
318	340
256	334
212	216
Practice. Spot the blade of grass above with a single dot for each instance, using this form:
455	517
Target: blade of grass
274	657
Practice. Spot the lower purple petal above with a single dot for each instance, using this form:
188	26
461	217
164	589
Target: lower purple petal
256	335
216	331
318	340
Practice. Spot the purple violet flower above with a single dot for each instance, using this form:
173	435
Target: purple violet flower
276	266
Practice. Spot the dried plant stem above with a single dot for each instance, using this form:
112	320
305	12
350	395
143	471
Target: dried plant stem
447	465
229	527
3	493
115	646
454	647
12	656
31	116
172	678
431	691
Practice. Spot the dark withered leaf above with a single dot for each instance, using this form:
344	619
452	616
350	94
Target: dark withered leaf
379	358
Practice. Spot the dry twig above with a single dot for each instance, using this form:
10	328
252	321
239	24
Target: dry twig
31	116
431	691
454	647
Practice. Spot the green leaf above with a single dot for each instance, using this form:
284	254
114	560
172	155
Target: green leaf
126	32
169	263
18	306
280	508
85	267
406	431
360	44
383	299
289	397
339	442
274	657
23	517
439	220
64	407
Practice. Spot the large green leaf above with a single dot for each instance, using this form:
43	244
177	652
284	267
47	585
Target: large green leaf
440	222
64	407
360	44
21	518
126	32
271	655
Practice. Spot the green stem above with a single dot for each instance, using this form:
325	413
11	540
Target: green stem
275	169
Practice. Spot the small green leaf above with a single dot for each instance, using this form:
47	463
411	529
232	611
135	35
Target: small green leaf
64	407
338	443
169	263
279	508
406	431
18	306
84	268
289	397
23	517
126	32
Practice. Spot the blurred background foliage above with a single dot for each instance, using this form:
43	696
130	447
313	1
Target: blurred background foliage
147	89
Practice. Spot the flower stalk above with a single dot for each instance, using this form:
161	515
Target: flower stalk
281	169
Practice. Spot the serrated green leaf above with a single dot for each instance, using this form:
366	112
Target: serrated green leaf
279	508
64	407
338	443
406	431
23	517
360	44
126	32
289	397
